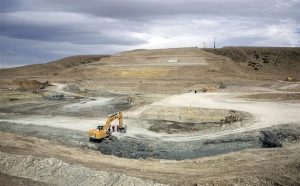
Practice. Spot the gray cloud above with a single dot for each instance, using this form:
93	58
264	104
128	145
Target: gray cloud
15	52
139	9
23	26
38	31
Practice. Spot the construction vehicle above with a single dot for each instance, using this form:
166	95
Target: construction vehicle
103	131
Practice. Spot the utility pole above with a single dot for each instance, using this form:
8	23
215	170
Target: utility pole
214	42
140	87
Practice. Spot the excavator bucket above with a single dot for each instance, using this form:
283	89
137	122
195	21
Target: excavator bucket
122	130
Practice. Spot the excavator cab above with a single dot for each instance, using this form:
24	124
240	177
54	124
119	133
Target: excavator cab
102	131
100	127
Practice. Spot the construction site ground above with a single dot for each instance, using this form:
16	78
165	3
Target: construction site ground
193	118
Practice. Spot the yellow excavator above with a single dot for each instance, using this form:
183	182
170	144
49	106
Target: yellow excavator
103	131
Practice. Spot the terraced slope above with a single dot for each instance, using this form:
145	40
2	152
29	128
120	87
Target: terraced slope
158	71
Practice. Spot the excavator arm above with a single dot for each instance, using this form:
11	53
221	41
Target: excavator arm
111	118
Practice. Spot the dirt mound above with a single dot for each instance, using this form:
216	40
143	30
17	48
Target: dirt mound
192	115
26	84
284	60
187	119
54	171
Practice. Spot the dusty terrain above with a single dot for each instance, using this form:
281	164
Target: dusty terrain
193	117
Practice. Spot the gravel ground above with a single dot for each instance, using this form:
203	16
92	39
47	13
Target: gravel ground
58	172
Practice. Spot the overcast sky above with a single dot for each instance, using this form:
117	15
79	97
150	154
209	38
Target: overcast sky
38	31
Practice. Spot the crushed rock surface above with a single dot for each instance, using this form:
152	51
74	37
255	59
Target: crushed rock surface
57	172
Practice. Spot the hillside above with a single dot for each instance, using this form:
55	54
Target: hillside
167	70
51	68
279	60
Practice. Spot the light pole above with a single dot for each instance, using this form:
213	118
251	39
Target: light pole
214	42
